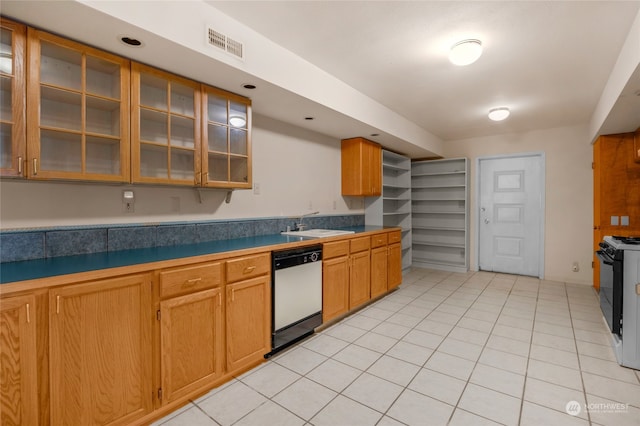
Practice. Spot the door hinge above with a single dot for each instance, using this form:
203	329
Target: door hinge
160	394
593	265
593	165
158	314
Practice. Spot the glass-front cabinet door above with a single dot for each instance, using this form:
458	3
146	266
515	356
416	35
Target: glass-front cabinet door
77	111
12	94
226	160
165	127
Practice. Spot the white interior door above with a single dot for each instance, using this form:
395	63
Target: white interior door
510	214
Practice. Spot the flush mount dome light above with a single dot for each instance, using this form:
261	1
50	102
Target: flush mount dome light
499	114
465	52
237	121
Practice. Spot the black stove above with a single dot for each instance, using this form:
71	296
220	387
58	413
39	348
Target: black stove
627	240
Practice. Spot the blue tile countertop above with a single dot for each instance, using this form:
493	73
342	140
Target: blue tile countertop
49	267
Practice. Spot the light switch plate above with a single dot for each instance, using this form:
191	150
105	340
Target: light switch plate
614	221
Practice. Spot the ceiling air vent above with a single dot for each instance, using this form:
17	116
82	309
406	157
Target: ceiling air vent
221	41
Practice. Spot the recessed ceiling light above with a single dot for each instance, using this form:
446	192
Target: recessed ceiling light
499	114
465	52
129	41
308	118
249	86
375	134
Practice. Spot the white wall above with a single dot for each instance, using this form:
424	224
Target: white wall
297	171
569	193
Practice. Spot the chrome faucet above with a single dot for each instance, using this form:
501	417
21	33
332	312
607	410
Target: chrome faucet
300	226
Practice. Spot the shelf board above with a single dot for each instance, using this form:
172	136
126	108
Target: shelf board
438	199
455	172
443	212
395	213
386	185
438	262
438	186
436	244
438	228
395	167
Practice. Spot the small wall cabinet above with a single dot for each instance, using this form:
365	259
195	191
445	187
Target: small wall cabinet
361	172
440	214
77	111
12	107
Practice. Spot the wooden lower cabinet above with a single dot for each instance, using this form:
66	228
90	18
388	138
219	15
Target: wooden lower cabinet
359	279
248	321
335	287
394	259
100	351
18	380
379	267
192	343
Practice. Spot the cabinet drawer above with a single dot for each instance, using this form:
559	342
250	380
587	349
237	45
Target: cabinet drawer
360	244
378	240
335	249
189	279
242	268
395	237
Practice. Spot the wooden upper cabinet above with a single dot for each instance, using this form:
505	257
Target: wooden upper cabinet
19	387
77	111
361	167
12	98
226	156
165	127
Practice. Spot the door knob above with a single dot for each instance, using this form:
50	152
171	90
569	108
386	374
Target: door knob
486	221
482	209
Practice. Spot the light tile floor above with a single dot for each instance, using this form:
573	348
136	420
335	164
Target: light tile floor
446	348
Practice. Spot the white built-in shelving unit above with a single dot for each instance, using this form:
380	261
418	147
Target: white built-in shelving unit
394	207
440	214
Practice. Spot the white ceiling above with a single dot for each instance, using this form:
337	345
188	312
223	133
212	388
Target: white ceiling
547	61
363	67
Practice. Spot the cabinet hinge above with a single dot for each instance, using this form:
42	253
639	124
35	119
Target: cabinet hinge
158	314
593	265
160	390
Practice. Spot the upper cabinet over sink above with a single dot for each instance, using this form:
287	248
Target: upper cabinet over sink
77	111
361	167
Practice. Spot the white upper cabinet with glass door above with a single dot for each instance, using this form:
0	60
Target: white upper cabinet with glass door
165	127
226	161
12	95
77	111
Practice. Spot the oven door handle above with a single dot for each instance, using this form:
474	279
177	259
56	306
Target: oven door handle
605	259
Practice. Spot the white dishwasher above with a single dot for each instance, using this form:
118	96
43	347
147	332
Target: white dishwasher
296	291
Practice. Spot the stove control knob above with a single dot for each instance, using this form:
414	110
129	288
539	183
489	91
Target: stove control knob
314	257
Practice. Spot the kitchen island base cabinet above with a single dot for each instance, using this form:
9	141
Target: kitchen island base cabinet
248	321
191	340
100	351
18	386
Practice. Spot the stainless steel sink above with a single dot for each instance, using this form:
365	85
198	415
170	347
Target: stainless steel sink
317	233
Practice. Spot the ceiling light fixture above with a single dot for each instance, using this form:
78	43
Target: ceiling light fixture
465	52
499	114
237	121
130	41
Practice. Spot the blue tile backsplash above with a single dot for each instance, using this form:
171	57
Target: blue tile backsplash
42	243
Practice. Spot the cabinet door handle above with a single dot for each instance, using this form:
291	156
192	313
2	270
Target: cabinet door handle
193	281
219	299
57	304
249	269
233	294
35	166
20	165
205	178
28	314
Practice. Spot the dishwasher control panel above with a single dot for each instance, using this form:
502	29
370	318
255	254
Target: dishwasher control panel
288	258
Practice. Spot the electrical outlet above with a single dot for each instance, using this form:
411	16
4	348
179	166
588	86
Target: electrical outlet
575	267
